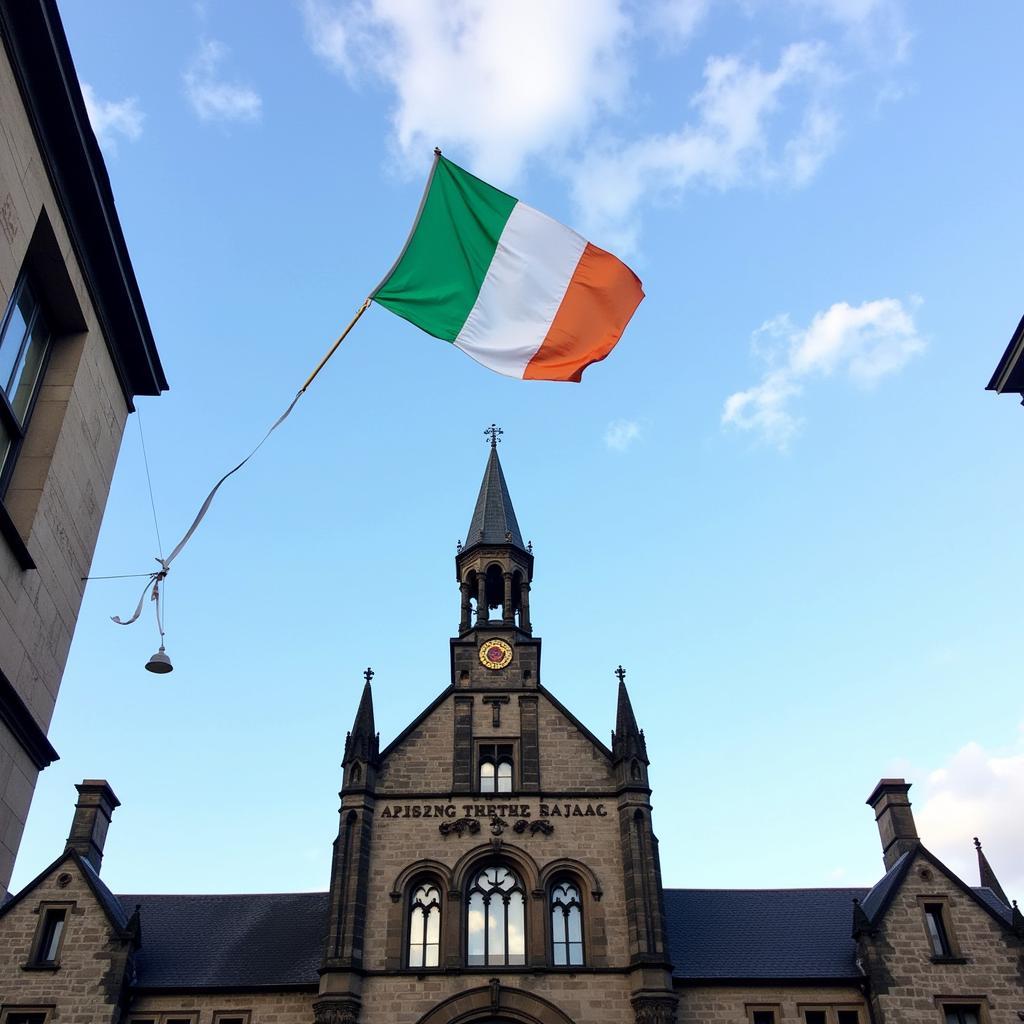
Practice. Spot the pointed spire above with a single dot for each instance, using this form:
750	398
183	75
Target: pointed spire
986	875
628	739
362	742
494	519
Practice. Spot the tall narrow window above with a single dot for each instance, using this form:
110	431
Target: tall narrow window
52	930
495	920
566	926
24	347
425	926
937	933
495	767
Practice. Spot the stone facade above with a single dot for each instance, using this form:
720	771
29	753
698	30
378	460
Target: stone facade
425	822
54	501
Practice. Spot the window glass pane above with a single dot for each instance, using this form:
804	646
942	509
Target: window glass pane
936	929
475	929
496	930
54	933
575	954
487	777
10	344
505	777
558	925
415	953
433	925
26	373
25	1018
516	929
575	927
848	1016
763	1017
815	1016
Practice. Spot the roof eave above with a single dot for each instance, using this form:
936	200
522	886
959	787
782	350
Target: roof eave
1009	374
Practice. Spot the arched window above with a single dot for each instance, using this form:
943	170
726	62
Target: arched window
495	920
495	767
566	925
425	926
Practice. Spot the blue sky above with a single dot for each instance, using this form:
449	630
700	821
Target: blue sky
784	503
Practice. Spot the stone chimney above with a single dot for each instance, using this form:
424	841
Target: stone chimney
96	803
895	819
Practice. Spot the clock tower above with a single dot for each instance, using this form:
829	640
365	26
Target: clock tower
495	647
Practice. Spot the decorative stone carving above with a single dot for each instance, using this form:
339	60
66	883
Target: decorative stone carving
336	1011
545	828
655	1010
460	827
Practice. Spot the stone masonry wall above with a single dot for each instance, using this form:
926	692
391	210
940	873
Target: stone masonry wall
906	980
60	485
86	987
729	1004
265	1007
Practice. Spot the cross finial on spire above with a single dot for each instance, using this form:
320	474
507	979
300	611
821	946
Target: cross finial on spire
494	433
621	673
977	843
368	674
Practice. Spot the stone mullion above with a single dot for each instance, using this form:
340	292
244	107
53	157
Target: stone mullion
536	950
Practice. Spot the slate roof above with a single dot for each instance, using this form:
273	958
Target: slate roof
494	515
264	940
276	940
761	933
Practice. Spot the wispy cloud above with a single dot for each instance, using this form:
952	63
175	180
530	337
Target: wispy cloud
499	82
865	342
620	434
728	142
977	792
113	119
213	97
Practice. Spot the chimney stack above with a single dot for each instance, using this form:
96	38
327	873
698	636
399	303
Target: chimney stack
895	819
96	803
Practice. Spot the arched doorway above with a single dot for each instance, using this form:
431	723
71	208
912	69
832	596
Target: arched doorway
495	1003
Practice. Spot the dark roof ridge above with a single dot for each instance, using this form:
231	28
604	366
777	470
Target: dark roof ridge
218	895
769	888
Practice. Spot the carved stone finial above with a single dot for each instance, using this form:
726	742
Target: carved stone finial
368	674
977	843
529	547
494	433
458	546
621	673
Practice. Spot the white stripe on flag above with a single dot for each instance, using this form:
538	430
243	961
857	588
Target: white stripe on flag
524	286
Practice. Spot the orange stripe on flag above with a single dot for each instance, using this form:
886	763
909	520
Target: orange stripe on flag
603	294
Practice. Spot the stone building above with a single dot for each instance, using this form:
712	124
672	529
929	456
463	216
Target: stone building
75	350
497	862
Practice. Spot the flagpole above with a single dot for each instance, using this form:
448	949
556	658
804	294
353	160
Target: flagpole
334	348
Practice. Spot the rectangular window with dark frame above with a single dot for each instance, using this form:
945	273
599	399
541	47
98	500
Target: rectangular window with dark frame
937	933
24	349
232	1017
762	1017
26	1017
815	1016
847	1017
50	934
962	1014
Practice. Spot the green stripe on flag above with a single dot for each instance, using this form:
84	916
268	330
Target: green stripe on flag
438	277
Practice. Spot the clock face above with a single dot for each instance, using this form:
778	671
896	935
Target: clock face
495	654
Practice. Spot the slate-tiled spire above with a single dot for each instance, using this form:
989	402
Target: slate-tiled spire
363	743
494	518
987	875
628	738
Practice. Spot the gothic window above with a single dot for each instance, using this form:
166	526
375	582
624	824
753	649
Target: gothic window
496	920
425	926
566	925
495	767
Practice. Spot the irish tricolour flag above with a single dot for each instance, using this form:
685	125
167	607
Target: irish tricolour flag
514	289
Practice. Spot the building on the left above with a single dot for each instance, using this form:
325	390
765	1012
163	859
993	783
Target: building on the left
75	350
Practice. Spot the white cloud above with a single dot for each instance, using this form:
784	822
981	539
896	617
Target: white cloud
675	21
620	434
727	143
876	26
500	82
978	792
865	342
214	98
112	118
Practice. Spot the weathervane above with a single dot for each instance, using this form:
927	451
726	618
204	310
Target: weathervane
494	433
